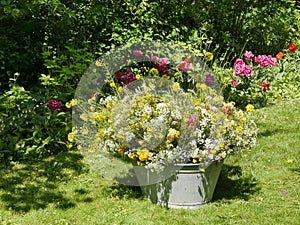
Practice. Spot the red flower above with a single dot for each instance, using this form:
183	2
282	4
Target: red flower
279	55
119	75
292	47
188	60
267	87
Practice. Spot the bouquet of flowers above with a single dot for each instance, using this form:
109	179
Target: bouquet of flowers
152	113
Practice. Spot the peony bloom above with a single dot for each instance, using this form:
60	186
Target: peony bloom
248	70
279	55
234	83
248	55
292	47
138	53
265	60
239	66
54	104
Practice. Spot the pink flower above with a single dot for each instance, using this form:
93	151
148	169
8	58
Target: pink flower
263	84
54	104
137	53
163	61
248	55
184	66
153	57
234	83
239	66
266	60
192	121
248	70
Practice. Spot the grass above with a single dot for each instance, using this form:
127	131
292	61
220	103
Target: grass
257	187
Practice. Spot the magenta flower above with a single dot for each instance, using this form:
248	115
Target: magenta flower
138	53
163	62
263	84
128	77
248	70
184	66
266	60
54	104
248	55
153	57
239	67
234	83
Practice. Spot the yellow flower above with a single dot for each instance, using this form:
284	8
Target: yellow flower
85	131
130	155
289	161
208	56
71	136
120	89
227	79
112	84
176	86
98	63
138	76
249	108
69	145
71	103
84	117
194	160
154	72
143	155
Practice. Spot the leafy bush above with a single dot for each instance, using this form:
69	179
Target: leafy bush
28	128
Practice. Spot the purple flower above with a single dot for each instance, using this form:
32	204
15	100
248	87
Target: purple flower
210	80
138	53
142	69
248	55
54	104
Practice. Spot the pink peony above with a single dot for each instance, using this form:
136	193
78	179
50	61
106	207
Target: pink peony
248	55
239	66
266	60
248	70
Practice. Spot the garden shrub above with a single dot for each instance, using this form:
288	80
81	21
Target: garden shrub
28	128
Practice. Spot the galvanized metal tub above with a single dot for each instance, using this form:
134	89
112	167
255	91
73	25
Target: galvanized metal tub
182	186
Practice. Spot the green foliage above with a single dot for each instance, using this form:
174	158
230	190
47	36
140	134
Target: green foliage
28	129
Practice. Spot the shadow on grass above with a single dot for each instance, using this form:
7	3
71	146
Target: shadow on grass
232	184
34	185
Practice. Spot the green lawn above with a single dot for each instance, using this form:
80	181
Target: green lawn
257	187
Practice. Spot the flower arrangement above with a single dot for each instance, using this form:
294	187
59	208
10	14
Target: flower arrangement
152	113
